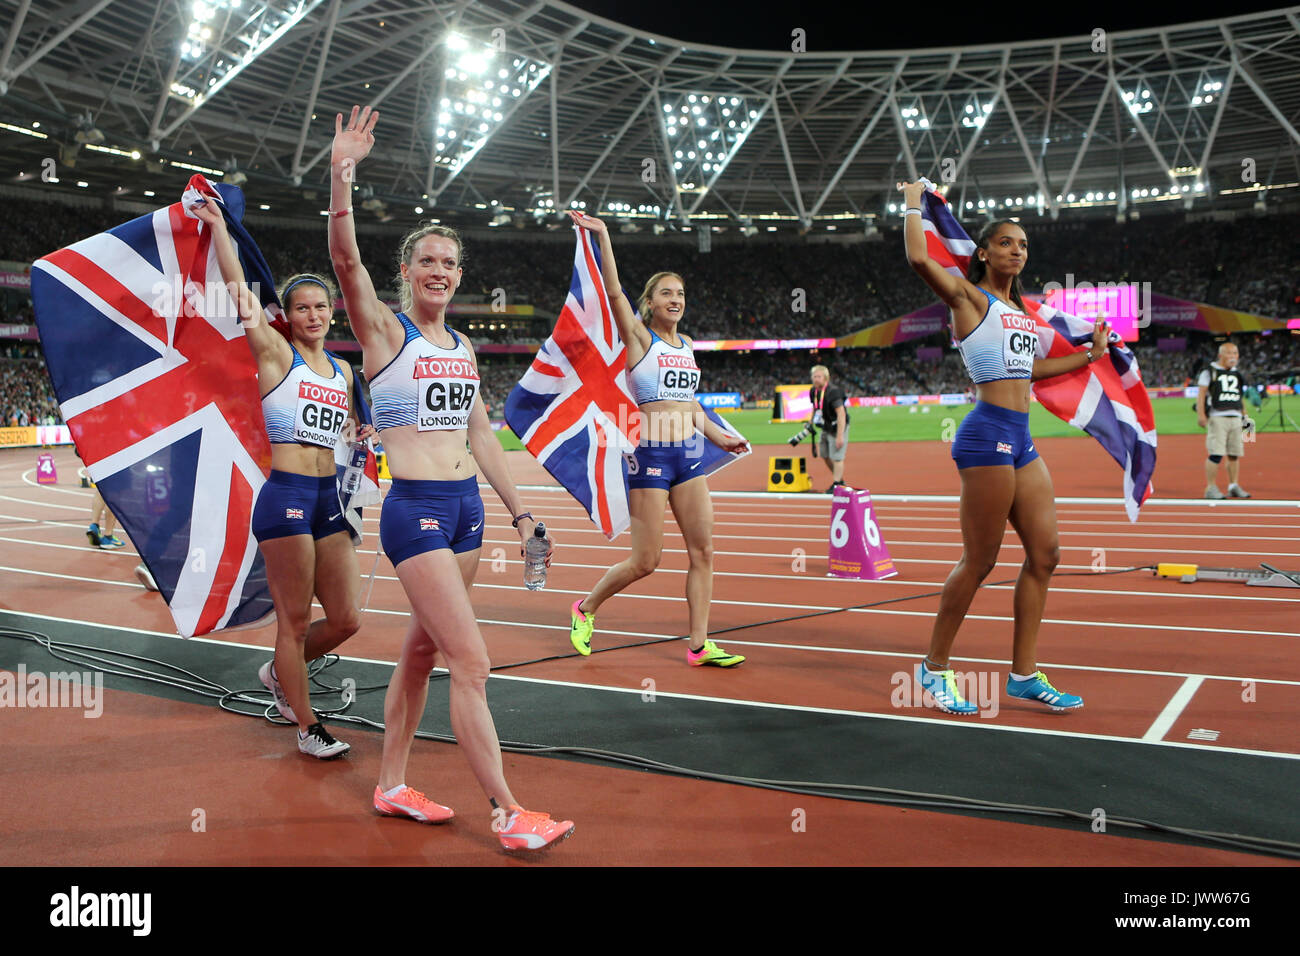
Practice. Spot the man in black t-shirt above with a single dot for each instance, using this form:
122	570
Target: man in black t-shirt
831	416
1219	410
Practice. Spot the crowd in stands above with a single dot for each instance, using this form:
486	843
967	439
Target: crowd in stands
765	289
26	396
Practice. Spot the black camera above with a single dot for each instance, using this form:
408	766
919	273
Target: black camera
808	430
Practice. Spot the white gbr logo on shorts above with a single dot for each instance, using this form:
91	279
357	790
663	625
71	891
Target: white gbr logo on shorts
447	388
320	414
1019	341
678	378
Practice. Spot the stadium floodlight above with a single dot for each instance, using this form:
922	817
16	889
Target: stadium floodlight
719	126
476	82
224	36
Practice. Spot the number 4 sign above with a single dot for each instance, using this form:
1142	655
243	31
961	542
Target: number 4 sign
45	471
857	549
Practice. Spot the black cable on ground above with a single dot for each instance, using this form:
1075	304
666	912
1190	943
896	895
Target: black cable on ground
855	792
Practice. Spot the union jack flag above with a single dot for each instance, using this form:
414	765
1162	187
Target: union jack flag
1105	398
573	409
159	388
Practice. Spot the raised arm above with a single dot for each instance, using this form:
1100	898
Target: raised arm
269	346
630	328
370	319
948	287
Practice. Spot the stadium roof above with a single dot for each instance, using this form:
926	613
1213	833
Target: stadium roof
541	105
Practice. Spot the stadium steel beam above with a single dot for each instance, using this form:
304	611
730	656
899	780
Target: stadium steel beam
804	219
1141	128
237	68
1258	90
657	127
321	60
976	133
721	168
14	29
1214	126
883	105
1087	141
610	147
379	98
164	95
36	55
902	132
1020	135
555	125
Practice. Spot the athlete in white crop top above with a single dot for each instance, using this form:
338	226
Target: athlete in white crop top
1002	476
425	381
663	377
308	400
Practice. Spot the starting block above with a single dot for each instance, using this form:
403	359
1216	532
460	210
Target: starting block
1268	577
788	474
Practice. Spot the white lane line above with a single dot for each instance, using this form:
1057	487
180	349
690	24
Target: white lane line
1176	704
965	726
43	504
73	577
81	493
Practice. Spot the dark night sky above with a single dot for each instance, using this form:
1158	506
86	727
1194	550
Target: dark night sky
865	25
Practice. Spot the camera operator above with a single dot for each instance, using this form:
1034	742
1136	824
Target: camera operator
1219	412
830	415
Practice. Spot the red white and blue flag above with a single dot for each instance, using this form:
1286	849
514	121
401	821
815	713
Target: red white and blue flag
573	410
1106	398
159	388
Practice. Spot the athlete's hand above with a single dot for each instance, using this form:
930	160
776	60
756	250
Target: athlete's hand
839	441
1202	420
353	143
526	526
1101	336
367	432
912	193
207	212
734	444
589	222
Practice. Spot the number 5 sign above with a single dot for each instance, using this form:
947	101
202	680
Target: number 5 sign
857	549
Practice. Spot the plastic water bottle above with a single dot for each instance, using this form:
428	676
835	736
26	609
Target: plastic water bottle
356	467
535	559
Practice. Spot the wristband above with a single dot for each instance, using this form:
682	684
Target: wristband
341	213
911	211
514	523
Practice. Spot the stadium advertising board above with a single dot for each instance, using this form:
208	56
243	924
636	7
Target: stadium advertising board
720	399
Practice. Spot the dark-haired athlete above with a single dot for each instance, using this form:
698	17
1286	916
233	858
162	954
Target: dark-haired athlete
307	397
1002	477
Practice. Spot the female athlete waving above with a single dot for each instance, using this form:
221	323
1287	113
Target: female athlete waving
424	385
1002	477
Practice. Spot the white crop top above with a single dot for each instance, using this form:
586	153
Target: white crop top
664	374
306	408
425	385
1002	346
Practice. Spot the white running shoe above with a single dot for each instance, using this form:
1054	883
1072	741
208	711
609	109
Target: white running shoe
318	743
272	683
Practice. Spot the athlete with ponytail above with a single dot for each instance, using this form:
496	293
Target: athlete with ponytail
307	398
1002	477
663	377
